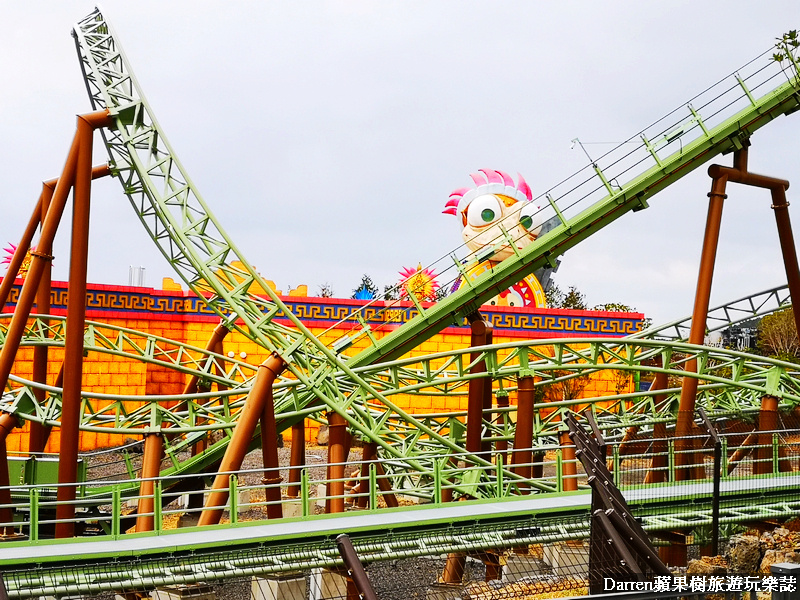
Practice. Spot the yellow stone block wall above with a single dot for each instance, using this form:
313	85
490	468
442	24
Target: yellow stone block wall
112	375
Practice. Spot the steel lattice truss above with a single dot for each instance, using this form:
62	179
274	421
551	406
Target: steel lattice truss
732	384
726	315
182	226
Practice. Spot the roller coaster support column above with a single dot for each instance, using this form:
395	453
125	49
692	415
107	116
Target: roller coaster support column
777	188
151	467
261	392
369	456
338	449
767	425
781	208
7	423
478	388
684	455
38	433
39	258
523	435
658	473
569	465
297	459
76	320
500	421
269	454
212	345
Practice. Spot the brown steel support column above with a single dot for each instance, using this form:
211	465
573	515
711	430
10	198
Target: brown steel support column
38	259
502	415
674	555
569	465
337	457
7	423
742	451
781	208
76	321
37	218
702	297
219	333
767	424
660	461
537	468
387	493
151	467
486	444
214	344
368	452
269	454
454	568
260	393
523	434
297	458
481	333
369	456
38	433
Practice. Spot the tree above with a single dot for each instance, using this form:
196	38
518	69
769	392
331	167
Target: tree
574	299
777	336
570	386
325	290
367	290
557	298
554	296
391	292
614	307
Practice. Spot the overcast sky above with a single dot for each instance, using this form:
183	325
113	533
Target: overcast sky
327	136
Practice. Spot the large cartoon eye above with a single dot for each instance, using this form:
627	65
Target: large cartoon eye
484	210
528	217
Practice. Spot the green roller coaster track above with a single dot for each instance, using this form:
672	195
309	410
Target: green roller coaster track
182	226
361	387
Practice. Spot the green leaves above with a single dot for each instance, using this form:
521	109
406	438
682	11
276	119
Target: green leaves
786	46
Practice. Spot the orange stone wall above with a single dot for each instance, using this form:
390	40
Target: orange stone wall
107	374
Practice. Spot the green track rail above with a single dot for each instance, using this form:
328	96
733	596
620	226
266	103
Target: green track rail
182	226
272	549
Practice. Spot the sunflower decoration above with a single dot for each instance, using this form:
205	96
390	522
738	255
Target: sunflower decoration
26	262
420	282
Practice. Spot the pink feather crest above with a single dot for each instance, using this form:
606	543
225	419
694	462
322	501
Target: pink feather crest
10	251
451	207
479	179
507	179
523	187
492	176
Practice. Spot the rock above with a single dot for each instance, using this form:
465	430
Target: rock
475	590
702	567
744	554
772	557
322	435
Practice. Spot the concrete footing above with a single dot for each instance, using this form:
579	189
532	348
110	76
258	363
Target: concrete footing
567	560
519	566
197	591
327	585
294	508
292	587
